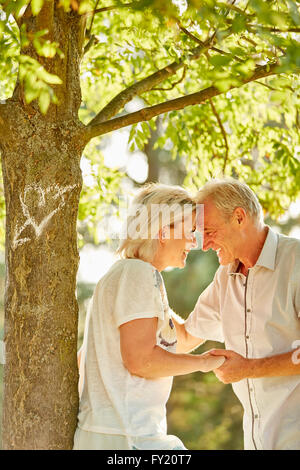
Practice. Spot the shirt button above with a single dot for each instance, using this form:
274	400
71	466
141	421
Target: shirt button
248	309
247	337
256	416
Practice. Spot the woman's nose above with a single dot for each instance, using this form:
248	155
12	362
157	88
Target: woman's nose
194	240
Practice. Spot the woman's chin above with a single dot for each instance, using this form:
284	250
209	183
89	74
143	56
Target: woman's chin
182	262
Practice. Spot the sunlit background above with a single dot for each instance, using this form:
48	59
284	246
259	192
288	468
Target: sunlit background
94	262
203	412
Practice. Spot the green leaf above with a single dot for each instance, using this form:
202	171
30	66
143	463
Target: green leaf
245	68
31	94
227	83
238	24
220	60
44	101
85	6
48	77
36	6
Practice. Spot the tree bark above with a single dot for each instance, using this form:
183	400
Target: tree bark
42	184
42	181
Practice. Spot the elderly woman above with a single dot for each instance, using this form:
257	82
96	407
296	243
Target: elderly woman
133	344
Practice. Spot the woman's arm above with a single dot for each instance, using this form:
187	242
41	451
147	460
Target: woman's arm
142	357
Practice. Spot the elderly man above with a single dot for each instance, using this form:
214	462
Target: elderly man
253	305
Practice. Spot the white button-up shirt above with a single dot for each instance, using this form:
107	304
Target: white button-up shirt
259	316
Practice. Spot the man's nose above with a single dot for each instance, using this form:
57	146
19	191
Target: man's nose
206	242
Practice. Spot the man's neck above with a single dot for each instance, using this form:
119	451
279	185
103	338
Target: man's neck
254	246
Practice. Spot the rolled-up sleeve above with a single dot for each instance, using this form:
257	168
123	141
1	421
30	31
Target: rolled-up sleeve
205	320
297	299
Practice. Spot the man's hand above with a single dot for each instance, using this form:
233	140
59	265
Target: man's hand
234	369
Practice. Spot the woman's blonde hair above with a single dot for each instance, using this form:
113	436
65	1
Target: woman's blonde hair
227	194
155	206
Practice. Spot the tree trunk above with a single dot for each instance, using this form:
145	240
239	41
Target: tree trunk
42	182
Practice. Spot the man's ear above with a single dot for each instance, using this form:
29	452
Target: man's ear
240	215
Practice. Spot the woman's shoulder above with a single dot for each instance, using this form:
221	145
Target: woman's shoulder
128	270
130	266
135	263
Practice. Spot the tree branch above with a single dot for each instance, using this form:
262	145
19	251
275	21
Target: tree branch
237	9
88	32
271	29
95	129
147	84
198	41
251	27
90	43
173	84
113	7
223	133
110	8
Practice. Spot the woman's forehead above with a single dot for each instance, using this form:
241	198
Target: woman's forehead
187	219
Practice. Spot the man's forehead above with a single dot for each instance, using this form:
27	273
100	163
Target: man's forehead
212	215
210	210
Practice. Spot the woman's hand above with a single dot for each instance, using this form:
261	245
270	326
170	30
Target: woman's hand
235	368
210	362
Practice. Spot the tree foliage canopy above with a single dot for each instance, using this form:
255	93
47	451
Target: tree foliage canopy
223	74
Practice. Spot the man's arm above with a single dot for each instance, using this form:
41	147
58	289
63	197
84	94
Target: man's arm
142	357
185	341
237	367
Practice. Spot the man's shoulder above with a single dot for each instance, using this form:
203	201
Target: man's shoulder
288	255
222	273
288	244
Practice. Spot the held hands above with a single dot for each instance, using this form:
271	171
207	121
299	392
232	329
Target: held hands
210	362
235	367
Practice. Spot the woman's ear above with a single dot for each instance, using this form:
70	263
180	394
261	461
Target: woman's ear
162	235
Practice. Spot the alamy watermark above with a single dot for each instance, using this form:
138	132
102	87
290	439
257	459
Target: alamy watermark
142	222
126	220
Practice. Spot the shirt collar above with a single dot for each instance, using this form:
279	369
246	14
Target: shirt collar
267	255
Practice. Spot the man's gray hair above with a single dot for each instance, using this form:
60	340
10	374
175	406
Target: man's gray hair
227	194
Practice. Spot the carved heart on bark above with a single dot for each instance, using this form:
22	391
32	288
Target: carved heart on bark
37	197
